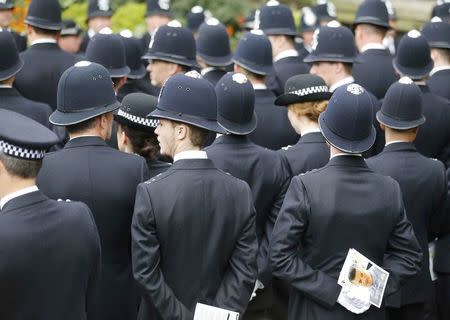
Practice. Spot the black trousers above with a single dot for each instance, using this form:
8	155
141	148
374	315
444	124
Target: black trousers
443	296
414	311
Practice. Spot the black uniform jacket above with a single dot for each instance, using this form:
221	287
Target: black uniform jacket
214	75
84	43
325	213
424	189
267	174
156	167
50	253
12	100
44	63
310	152
375	71
433	138
105	179
21	41
194	241
439	83
442	256
274	130
283	69
129	87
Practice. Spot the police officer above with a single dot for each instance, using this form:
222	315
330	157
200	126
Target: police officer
195	17
264	170
306	97
50	249
44	61
414	61
441	10
374	70
99	17
134	62
308	24
193	226
136	132
213	50
70	37
6	18
103	178
390	40
253	57
172	50
437	34
332	59
10	98
158	14
325	213
277	22
423	185
109	51
325	11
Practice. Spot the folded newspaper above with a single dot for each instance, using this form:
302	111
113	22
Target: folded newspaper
207	312
360	271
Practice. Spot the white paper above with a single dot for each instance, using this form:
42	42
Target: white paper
380	276
432	252
206	312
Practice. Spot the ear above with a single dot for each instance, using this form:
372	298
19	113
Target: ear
30	30
237	68
181	131
382	126
105	120
122	137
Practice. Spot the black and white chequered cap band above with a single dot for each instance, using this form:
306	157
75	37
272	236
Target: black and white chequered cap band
19	152
153	123
310	90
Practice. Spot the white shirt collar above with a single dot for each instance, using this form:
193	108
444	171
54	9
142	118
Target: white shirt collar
84	136
342	82
373	45
259	86
439	69
16	194
396	141
206	70
286	54
190	154
44	40
345	154
310	131
5	86
91	33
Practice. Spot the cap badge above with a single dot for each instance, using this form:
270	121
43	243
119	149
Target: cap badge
257	20
193	74
315	41
164	4
197	9
331	9
239	78
82	64
103	5
355	89
309	17
414	34
273	3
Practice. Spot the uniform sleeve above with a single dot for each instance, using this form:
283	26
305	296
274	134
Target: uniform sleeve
146	258
264	270
145	171
403	256
239	280
439	220
94	277
286	263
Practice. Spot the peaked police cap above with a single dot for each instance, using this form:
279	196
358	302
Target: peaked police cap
84	92
188	99
347	122
134	111
158	7
109	51
173	44
10	62
133	53
402	106
303	88
254	53
372	12
99	8
44	14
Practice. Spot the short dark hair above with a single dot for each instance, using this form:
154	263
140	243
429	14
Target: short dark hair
85	125
143	143
22	168
45	32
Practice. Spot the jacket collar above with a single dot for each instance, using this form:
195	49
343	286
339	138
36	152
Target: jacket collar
311	137
45	45
265	93
24	201
348	161
232	139
85	141
9	92
400	146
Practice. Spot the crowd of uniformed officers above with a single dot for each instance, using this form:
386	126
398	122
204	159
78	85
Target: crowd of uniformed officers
180	172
